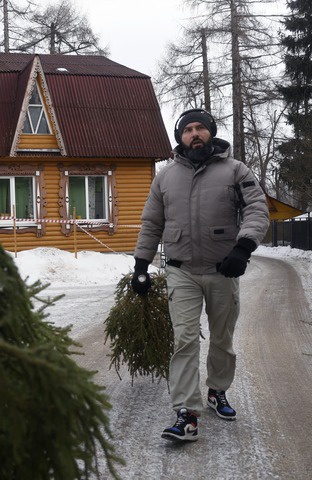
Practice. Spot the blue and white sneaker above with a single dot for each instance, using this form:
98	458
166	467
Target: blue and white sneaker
184	429
217	400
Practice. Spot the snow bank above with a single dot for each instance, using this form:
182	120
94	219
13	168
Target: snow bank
51	265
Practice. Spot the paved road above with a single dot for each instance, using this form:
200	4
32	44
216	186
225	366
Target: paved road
271	438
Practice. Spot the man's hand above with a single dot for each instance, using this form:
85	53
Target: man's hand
235	263
141	281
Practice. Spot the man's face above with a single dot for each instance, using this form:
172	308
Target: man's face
195	135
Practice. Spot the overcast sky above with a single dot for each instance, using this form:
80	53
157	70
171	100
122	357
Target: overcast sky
138	31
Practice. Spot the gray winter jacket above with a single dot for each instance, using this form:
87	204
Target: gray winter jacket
200	214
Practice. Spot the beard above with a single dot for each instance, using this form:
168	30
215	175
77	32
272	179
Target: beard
199	154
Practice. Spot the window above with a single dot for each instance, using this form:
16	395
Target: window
17	192
22	188
36	120
88	195
90	189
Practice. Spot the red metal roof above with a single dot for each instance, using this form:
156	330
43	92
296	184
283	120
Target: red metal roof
103	109
8	83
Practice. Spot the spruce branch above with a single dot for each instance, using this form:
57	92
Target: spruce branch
53	416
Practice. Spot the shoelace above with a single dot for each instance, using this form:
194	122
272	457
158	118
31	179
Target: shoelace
179	421
221	398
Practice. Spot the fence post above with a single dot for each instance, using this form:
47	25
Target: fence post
283	233
274	233
14	230
292	233
75	231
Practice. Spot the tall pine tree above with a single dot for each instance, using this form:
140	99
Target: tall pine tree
296	163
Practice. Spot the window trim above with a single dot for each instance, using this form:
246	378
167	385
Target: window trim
12	179
41	113
40	203
90	169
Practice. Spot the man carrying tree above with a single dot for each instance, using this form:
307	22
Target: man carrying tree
212	214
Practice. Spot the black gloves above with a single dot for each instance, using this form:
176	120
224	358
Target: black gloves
141	281
234	265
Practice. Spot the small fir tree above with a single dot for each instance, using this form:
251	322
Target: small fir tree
140	329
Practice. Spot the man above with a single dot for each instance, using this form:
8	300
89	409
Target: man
211	214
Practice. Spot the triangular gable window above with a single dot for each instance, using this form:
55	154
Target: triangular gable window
36	120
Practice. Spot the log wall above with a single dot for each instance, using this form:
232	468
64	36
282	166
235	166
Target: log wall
133	179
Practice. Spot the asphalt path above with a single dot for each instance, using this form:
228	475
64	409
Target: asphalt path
272	391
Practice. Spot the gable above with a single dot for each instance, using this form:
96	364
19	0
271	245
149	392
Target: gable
35	131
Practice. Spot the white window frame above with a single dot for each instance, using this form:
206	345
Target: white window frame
87	206
42	111
28	222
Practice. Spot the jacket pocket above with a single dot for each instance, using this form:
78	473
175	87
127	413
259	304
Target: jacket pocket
223	232
172	234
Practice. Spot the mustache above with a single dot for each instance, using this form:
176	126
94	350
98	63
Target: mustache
196	140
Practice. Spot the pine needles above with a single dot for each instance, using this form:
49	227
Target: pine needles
53	421
140	329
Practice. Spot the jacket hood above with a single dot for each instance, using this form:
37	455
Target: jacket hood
222	150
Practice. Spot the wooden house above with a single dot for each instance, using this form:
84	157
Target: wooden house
79	138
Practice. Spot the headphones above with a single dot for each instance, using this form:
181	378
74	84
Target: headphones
213	125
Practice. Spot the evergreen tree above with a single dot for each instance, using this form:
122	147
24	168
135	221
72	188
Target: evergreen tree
53	421
296	164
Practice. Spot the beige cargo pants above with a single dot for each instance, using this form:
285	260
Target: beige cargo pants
186	294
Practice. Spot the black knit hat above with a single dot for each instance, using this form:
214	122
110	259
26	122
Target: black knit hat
195	115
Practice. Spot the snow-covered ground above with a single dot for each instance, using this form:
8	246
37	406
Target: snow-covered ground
61	268
65	272
90	279
69	275
301	260
259	445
